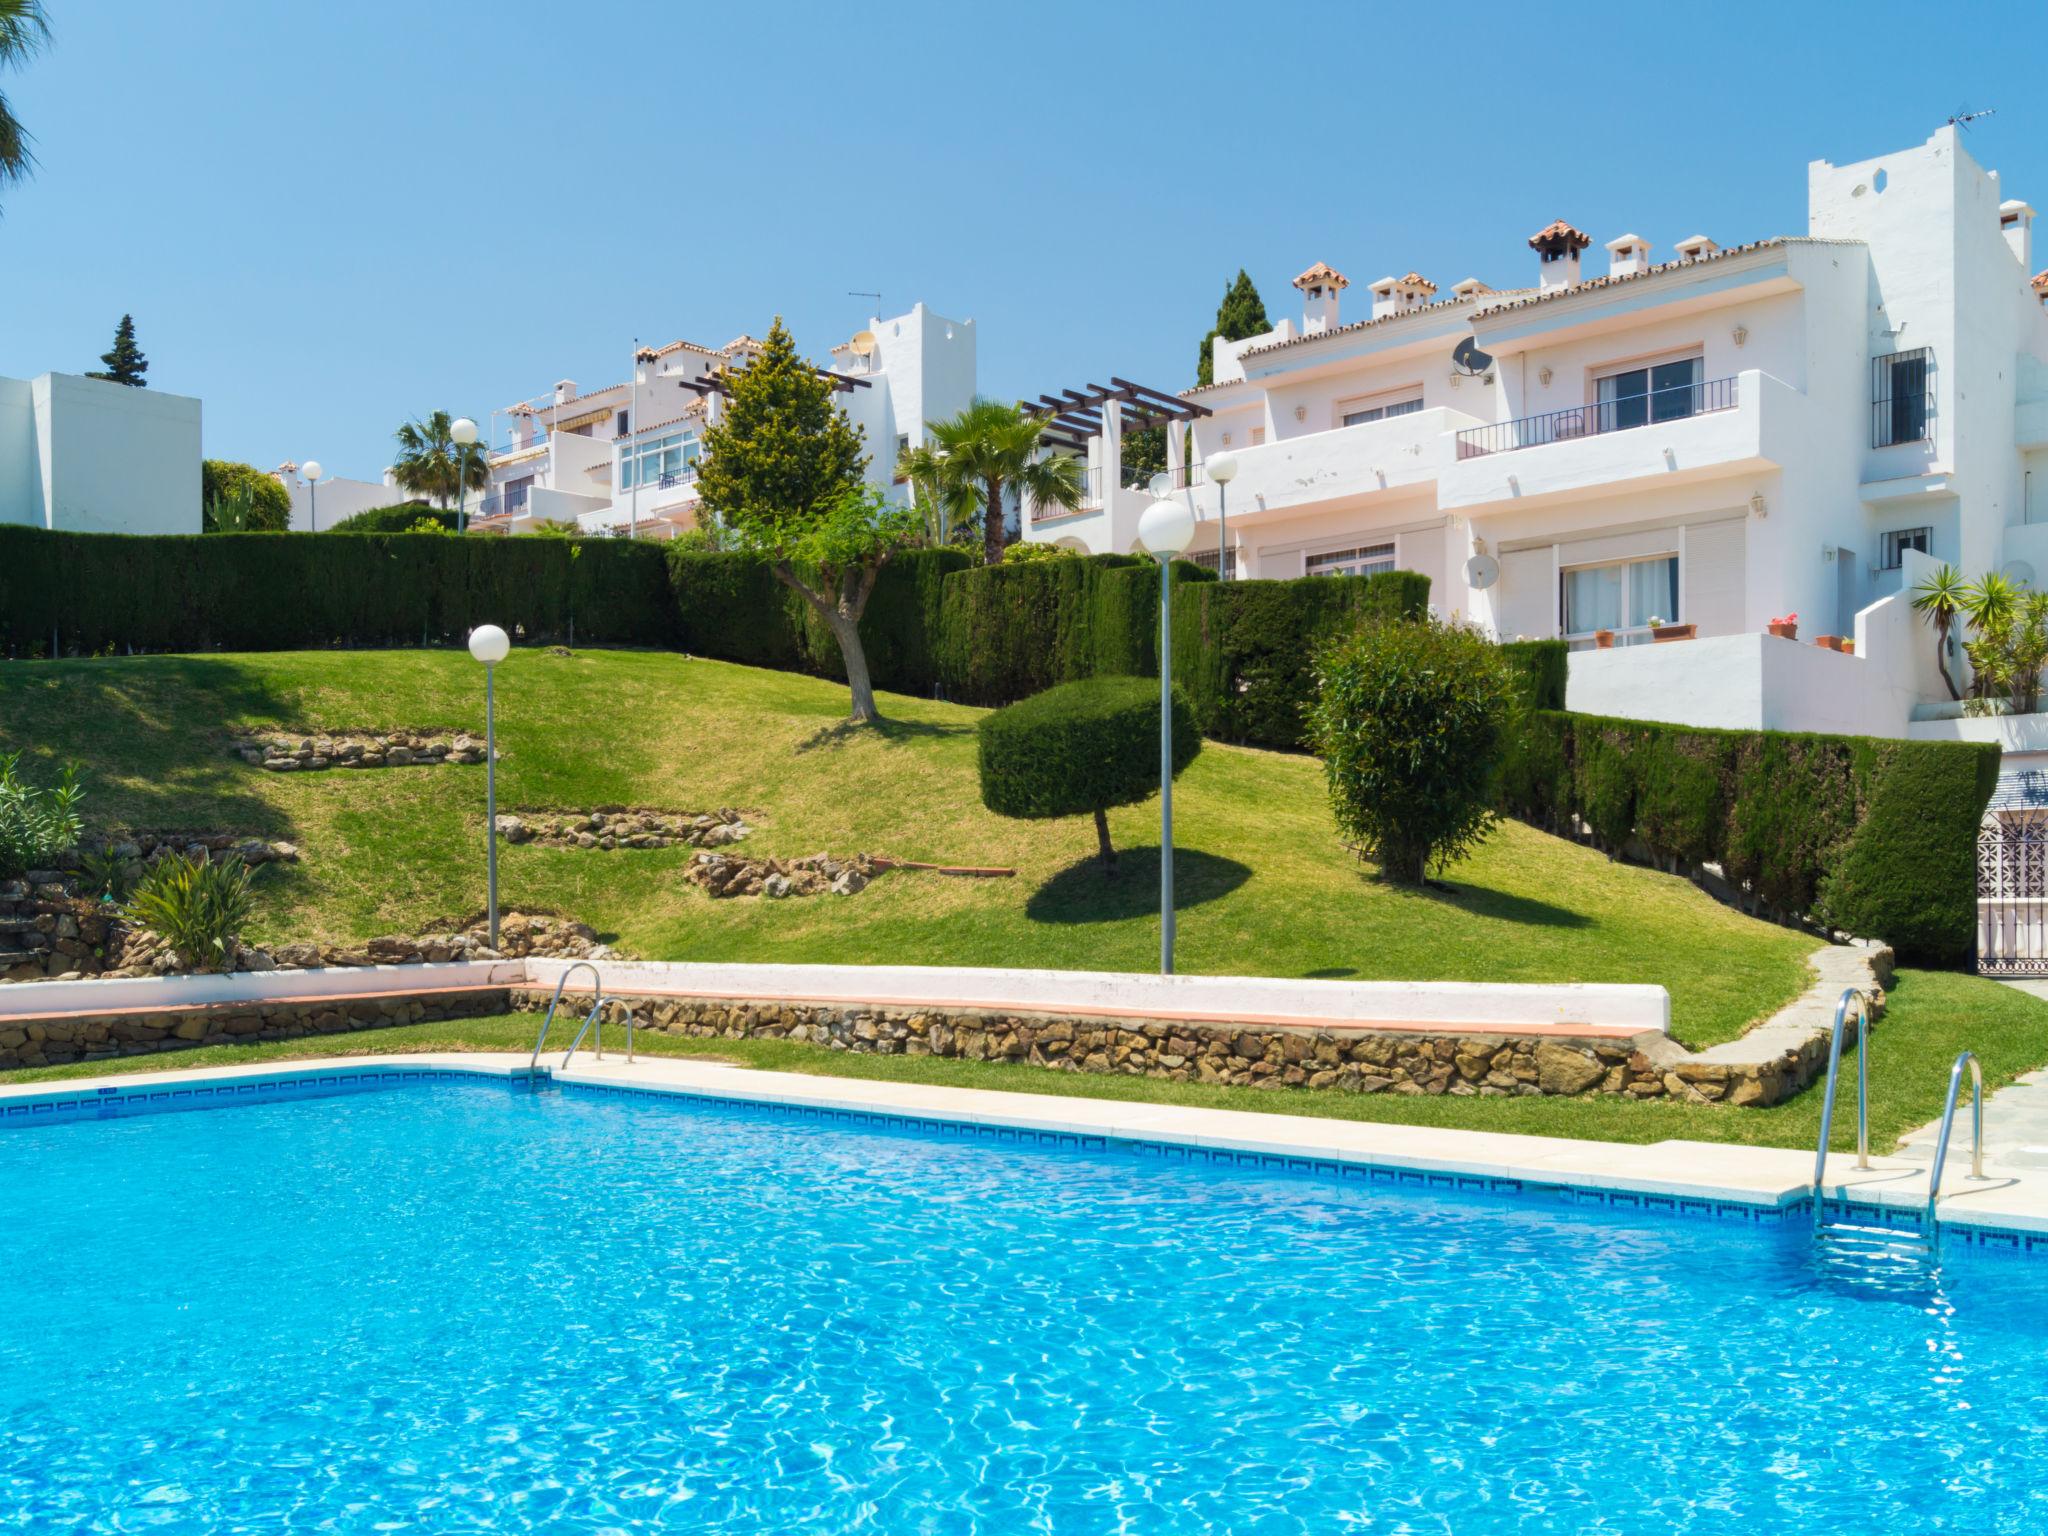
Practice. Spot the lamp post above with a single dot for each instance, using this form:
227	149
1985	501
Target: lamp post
312	471
490	645
1166	529
464	434
939	492
1222	469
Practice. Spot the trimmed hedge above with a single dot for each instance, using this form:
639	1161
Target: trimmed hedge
1245	650
1007	632
93	593
1081	747
1541	667
729	605
1877	838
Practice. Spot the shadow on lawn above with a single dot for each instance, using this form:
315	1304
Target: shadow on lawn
1501	907
895	732
1081	893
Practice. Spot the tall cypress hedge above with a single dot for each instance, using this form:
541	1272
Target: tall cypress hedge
98	592
1245	650
1876	838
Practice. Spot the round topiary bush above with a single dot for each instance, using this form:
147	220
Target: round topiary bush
1081	748
264	505
1411	720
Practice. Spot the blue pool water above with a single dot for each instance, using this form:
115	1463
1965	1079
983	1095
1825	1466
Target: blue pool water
460	1308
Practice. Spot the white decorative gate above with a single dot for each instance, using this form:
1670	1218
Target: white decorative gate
2012	898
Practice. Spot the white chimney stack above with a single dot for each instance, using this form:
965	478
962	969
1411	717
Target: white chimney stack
2016	223
1470	288
1398	295
1628	256
565	391
1319	286
1557	246
1696	248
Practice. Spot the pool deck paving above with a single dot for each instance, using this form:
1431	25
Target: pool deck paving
2012	1198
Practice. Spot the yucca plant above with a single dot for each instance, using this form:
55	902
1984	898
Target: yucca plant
196	905
36	824
105	875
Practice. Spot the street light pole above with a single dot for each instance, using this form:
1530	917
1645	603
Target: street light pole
1222	469
463	432
312	471
1166	529
490	645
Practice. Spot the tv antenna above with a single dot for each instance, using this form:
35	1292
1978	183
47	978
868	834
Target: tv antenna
862	293
1965	117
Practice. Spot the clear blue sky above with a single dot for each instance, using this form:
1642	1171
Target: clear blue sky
328	218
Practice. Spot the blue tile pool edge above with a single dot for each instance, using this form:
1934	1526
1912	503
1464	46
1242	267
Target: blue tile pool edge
78	1106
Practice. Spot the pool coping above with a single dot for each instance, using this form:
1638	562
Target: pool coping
2009	1210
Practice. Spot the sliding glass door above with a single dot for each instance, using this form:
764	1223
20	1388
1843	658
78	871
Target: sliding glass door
1623	596
1657	392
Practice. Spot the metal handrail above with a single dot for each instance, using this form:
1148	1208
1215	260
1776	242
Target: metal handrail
596	985
1948	1118
1596	418
1864	1024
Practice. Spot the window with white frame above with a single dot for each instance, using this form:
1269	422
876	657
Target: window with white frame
1624	596
1352	413
1899	540
659	460
1365	560
1637	394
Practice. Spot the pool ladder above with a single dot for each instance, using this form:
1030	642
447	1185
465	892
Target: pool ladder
592	1021
1854	998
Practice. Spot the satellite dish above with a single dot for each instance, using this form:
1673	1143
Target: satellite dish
1481	572
1469	360
2019	572
863	343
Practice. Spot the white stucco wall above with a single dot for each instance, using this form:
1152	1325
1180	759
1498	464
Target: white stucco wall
338	497
86	456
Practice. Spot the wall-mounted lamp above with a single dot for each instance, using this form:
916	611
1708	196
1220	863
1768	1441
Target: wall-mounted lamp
1226	439
1741	335
1543	376
1757	507
1301	413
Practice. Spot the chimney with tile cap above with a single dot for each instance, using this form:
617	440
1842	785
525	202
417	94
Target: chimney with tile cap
1696	248
1557	246
1397	295
1319	286
2016	223
1628	256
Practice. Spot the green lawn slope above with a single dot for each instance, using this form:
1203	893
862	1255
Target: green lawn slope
1265	886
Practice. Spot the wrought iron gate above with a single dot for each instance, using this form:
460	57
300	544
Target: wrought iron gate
2012	898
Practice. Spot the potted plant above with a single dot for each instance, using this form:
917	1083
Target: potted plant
1603	639
1786	628
1829	642
1661	632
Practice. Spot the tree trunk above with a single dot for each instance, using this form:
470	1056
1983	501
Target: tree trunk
843	619
992	523
1107	853
1941	659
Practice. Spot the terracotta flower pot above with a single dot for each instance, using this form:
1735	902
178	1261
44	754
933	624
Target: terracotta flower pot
1829	642
1603	639
1664	632
1785	631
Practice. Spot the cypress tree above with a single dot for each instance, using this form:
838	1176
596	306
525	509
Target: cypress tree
125	362
1242	313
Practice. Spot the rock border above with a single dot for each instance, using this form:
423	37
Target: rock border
611	827
302	752
721	875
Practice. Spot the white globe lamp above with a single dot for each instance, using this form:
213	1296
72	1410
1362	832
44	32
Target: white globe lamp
489	644
1222	468
312	471
1166	529
464	431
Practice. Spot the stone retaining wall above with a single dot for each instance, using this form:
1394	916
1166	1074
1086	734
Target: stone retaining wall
294	752
45	1042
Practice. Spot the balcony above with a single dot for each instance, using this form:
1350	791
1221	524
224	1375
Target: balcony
1696	432
1342	466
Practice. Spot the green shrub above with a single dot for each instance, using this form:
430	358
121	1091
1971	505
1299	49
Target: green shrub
1080	749
105	875
1024	551
1246	649
1410	719
1875	838
1541	667
36	824
88	593
198	906
400	517
264	505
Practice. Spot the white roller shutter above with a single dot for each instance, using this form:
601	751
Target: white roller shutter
1525	601
1423	553
1710	578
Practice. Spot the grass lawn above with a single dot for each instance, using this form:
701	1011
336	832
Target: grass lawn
1264	886
1933	1015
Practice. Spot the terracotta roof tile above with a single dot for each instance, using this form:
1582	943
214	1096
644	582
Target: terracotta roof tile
1559	235
2041	281
1591	284
1323	272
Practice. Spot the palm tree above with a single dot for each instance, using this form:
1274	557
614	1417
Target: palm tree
429	462
23	30
991	445
948	503
1942	598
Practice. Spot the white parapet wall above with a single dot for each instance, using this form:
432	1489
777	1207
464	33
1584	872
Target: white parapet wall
139	994
1617	1009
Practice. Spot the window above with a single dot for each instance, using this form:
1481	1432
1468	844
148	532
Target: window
1635	397
1622	596
1258	436
660	461
619	426
1353	412
902	447
1899	540
1901	397
1366	560
1206	559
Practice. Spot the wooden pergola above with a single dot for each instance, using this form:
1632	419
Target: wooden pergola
1074	415
715	383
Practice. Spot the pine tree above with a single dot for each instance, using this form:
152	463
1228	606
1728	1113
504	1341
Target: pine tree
125	362
1242	313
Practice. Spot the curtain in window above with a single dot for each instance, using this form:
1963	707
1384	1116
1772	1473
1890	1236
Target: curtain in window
1653	591
1593	599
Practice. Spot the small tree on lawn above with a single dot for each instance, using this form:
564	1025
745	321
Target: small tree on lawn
783	472
1411	719
1080	749
124	360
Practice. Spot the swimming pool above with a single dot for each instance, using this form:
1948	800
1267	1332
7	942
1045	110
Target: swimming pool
453	1306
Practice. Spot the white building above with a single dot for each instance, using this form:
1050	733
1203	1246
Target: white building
90	456
334	497
1714	438
624	458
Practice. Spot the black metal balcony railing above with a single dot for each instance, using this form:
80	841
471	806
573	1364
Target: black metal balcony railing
1652	408
502	505
677	477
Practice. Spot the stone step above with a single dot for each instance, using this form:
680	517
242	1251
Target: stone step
9	958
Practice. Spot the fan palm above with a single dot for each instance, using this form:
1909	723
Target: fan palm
991	446
23	30
1942	598
430	463
948	503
